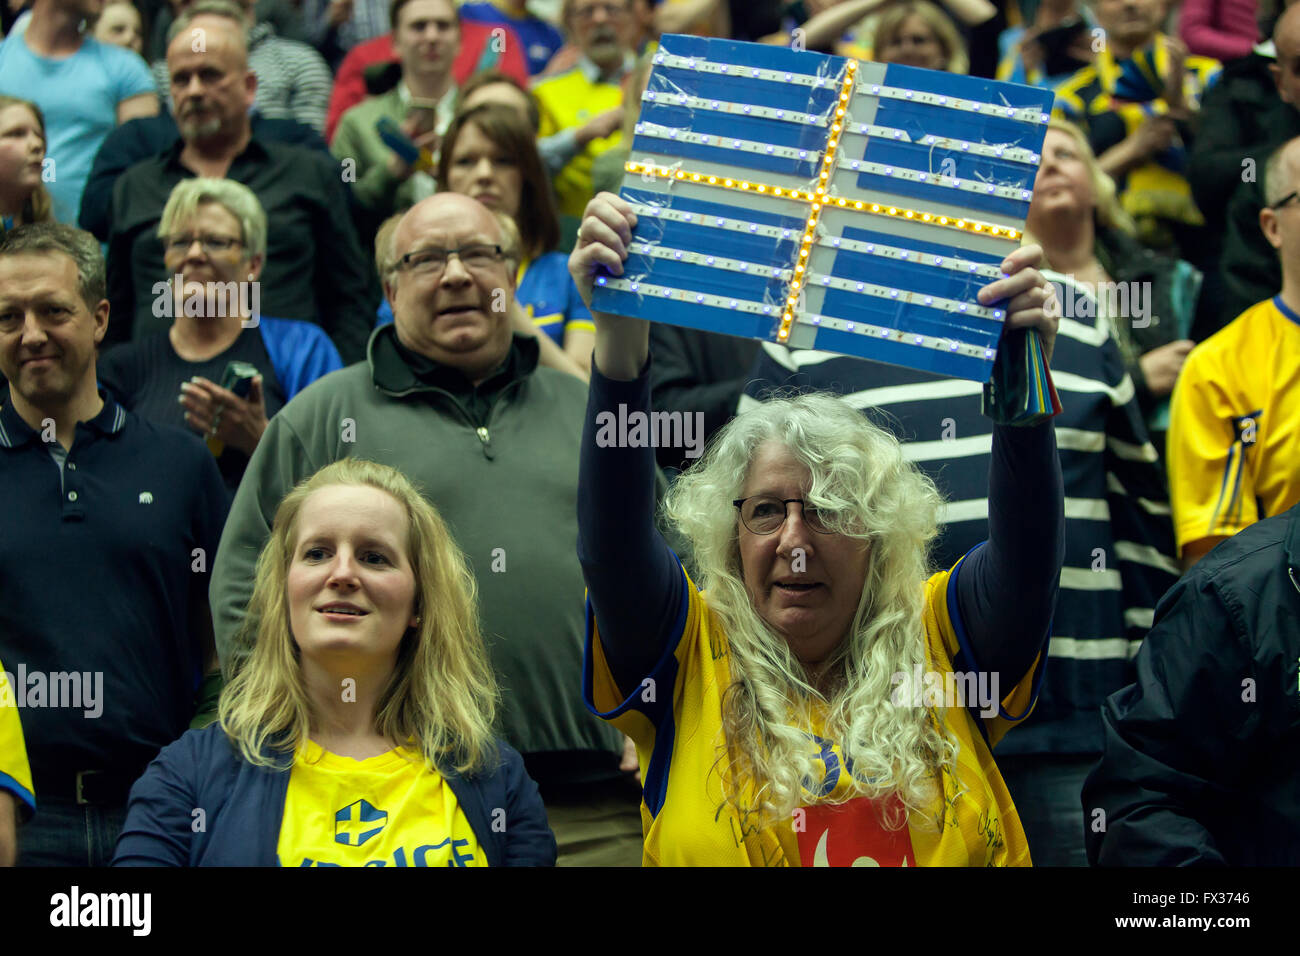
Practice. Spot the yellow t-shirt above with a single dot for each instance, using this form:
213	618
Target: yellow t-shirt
390	810
570	100
15	772
1234	426
686	822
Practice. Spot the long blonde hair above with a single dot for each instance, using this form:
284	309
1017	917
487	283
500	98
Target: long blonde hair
859	472
442	691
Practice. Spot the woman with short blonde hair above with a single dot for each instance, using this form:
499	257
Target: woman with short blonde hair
221	368
1085	233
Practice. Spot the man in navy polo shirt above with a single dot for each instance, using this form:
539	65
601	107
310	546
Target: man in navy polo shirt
110	524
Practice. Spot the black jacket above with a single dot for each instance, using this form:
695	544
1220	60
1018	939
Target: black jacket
1202	754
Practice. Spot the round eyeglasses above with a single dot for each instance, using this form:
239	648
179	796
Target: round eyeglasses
763	514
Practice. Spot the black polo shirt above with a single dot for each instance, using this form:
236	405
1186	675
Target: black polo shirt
97	576
314	269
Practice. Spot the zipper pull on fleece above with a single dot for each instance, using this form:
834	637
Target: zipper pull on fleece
486	439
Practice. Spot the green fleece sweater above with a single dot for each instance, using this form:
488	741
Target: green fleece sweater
357	139
508	494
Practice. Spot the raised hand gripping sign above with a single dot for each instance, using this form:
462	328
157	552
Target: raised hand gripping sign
827	203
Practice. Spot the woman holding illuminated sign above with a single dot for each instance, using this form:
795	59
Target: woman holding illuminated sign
777	716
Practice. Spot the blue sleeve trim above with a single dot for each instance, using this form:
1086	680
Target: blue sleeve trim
25	796
654	782
300	352
966	656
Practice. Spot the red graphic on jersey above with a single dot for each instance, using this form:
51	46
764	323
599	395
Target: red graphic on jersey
851	834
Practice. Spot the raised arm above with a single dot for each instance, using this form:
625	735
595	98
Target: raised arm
633	580
1007	589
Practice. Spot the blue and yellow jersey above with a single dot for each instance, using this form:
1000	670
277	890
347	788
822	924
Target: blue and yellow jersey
389	810
1108	84
687	822
546	290
1125	93
566	101
1234	428
15	773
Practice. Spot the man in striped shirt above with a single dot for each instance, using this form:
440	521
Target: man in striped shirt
293	81
1118	559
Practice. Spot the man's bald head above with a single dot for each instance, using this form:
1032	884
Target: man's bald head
1280	171
453	283
1286	71
228	18
1279	220
437	211
212	87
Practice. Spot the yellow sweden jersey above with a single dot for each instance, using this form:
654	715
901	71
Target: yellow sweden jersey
570	100
15	773
685	821
390	810
1234	429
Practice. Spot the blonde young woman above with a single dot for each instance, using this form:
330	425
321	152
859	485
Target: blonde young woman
359	732
804	709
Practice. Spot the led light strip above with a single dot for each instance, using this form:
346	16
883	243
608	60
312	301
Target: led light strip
819	197
947	182
701	65
952	346
910	255
719	222
1026	114
1012	154
928	218
898	253
779	192
704	259
736	109
681	295
709	179
656	131
903	296
682	135
650	290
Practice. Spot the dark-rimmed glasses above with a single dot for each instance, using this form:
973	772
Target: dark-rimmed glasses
209	243
477	257
764	514
1284	200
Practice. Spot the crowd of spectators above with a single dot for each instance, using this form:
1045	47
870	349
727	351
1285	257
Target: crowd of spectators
296	346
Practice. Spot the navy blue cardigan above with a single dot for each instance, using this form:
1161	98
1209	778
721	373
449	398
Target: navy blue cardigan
243	805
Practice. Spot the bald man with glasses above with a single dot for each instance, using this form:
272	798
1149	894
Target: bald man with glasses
454	398
1234	435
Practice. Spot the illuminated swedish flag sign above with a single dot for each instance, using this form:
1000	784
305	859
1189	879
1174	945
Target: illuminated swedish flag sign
825	203
358	822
